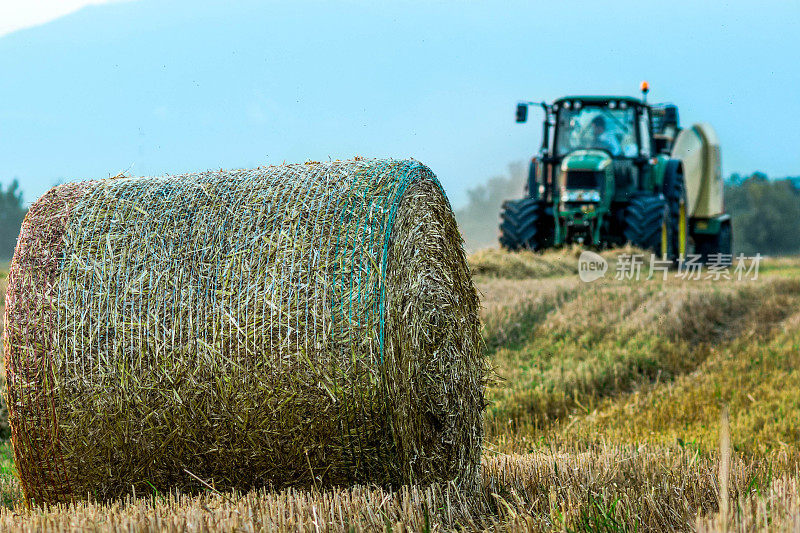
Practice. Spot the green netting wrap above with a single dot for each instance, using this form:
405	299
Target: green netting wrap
309	324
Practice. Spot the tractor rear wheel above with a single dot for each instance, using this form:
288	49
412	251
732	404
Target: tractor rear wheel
519	224
645	221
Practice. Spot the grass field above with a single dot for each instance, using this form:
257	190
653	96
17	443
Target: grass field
615	406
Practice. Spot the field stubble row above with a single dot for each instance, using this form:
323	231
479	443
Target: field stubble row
604	416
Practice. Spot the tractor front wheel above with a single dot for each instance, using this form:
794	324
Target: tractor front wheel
520	222
645	221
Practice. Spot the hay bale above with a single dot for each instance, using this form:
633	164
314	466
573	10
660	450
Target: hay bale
298	325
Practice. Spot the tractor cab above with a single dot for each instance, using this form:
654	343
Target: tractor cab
618	126
599	150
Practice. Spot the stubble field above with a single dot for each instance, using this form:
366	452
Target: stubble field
615	406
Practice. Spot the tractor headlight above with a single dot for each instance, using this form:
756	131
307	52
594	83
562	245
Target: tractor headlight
578	195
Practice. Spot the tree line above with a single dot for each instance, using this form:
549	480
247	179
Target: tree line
12	211
765	214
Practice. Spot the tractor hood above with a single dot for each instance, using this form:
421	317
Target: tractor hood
586	160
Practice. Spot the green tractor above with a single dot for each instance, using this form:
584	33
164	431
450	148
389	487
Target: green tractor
618	170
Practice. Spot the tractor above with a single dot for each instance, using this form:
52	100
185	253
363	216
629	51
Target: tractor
617	170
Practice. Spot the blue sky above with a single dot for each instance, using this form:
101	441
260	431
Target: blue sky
173	86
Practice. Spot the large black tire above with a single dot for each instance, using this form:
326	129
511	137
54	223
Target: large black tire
519	224
674	190
644	219
721	243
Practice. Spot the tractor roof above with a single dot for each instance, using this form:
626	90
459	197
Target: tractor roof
600	99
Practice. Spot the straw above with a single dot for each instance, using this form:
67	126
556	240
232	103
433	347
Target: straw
297	325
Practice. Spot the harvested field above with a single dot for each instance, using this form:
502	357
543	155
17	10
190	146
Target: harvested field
605	415
573	488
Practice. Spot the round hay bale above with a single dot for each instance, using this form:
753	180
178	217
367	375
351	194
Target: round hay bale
305	325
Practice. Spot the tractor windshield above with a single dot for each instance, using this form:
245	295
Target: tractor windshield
591	126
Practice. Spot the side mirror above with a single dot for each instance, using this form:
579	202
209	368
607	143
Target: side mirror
522	113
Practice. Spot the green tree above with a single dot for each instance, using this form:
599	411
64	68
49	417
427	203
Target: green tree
765	215
12	211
